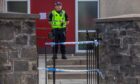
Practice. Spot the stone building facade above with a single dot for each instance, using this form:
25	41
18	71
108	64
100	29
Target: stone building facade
110	8
120	49
2	6
18	54
107	8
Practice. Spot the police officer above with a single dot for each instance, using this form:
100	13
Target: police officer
58	20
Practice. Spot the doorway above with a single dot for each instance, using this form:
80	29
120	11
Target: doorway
86	12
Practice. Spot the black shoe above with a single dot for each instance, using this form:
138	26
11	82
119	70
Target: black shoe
64	57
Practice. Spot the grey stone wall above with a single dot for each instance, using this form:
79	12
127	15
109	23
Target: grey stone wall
18	49
120	50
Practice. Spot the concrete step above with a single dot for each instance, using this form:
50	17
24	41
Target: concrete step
69	56
69	75
69	81
73	62
68	62
74	67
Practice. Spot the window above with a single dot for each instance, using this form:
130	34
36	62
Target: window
18	6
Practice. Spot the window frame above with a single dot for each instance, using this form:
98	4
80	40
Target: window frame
28	6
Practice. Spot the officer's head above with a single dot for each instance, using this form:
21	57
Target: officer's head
58	6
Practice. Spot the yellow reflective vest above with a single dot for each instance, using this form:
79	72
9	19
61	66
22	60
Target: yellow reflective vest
58	20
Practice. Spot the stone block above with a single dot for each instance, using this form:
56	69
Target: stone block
33	66
13	54
114	25
132	32
32	79
1	80
22	40
6	47
28	27
21	66
18	27
114	68
8	79
112	34
137	26
137	69
116	59
129	40
138	80
33	40
127	70
131	81
136	60
115	41
18	78
8	68
123	33
29	53
100	27
109	80
6	29
126	25
24	78
120	59
134	50
3	57
3	60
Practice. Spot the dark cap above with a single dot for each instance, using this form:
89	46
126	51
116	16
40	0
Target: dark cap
58	4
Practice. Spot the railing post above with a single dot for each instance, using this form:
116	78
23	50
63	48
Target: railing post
92	52
97	55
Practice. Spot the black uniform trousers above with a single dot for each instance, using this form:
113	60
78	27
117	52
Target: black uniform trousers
59	35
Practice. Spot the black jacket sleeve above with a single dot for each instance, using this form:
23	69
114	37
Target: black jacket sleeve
50	17
66	16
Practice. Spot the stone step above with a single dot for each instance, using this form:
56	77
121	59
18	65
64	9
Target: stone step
72	63
69	81
74	67
68	62
69	75
72	60
69	56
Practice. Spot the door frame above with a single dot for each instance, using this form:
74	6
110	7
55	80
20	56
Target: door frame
76	23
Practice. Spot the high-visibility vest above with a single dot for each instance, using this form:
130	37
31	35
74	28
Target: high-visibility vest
58	20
